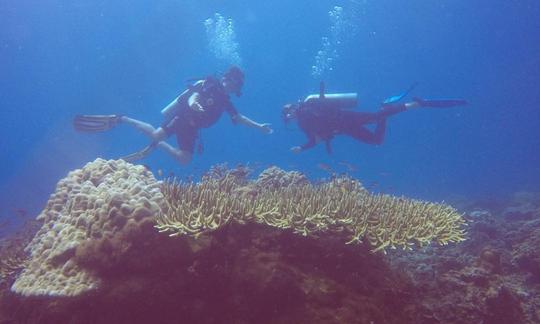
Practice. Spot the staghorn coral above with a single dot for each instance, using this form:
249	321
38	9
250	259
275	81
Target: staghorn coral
13	258
90	204
397	221
10	264
196	208
274	177
287	201
239	174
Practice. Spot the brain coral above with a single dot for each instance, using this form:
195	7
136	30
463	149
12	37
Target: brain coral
91	203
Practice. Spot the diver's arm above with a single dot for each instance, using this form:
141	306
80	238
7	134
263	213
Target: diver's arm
310	143
264	127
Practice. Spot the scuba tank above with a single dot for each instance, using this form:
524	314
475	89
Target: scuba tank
173	108
333	100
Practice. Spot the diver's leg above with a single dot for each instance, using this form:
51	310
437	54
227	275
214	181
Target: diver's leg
183	157
354	119
185	137
393	109
363	134
147	129
354	124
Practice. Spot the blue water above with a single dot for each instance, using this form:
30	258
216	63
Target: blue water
61	58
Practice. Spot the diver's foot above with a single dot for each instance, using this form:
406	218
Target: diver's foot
417	102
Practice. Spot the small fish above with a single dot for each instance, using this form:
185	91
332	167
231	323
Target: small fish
4	224
324	167
147	167
349	166
20	212
372	185
256	164
160	173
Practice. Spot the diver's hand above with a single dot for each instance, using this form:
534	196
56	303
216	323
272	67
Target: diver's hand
265	128
296	149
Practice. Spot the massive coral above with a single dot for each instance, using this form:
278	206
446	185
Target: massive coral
91	203
340	205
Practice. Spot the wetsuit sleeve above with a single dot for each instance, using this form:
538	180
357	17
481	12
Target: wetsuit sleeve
229	108
310	143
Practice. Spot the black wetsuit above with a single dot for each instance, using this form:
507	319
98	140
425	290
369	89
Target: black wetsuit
322	123
187	123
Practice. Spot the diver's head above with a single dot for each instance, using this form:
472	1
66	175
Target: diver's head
233	80
288	112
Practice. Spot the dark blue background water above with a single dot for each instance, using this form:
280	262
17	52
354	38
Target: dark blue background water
60	58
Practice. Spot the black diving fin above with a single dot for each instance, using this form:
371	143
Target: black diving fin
139	155
440	103
95	123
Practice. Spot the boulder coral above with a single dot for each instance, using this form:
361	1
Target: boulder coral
91	203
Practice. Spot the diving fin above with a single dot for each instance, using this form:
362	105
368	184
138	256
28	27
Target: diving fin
394	99
440	103
95	123
139	155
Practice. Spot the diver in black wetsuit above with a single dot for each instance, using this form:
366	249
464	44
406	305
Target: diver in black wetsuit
200	106
322	117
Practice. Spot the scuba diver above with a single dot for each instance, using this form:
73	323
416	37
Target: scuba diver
323	116
200	106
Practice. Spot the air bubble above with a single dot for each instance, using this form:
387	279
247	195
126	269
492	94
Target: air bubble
222	39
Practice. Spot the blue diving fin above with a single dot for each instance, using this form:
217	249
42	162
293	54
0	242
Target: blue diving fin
394	99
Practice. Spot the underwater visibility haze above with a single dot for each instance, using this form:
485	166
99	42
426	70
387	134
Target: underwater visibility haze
59	59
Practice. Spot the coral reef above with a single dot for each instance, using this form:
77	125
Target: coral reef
12	255
228	258
243	271
92	203
236	274
274	178
493	277
286	200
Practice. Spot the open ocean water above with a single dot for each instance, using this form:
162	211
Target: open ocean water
63	58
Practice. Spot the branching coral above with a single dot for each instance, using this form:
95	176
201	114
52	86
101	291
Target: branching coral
12	255
196	208
274	177
341	206
389	221
10	264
